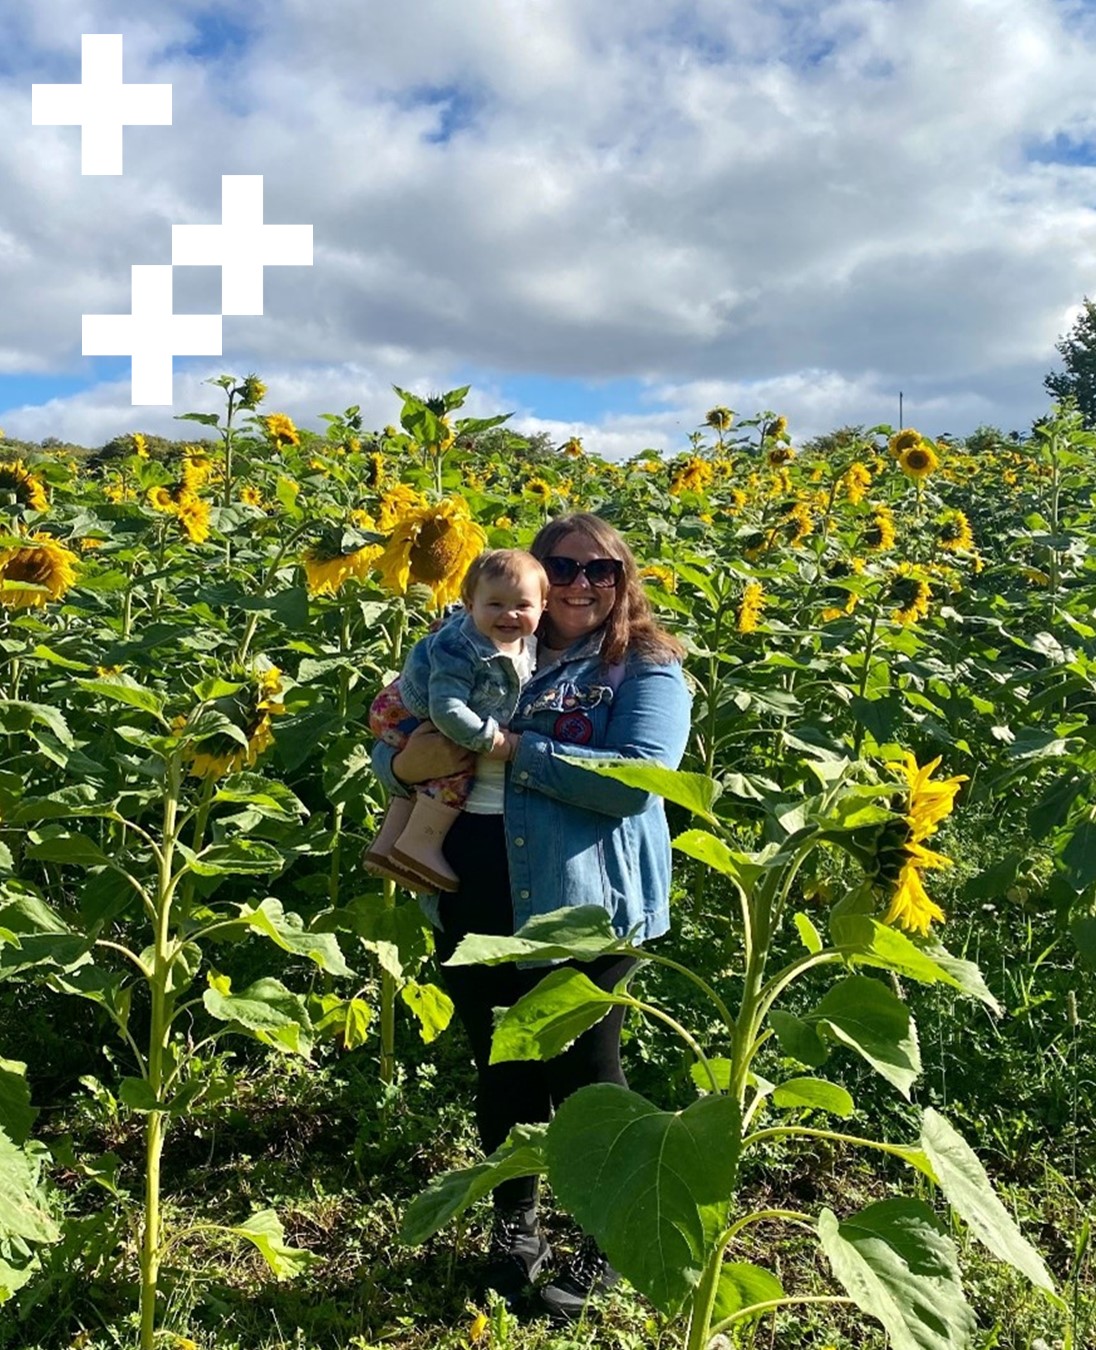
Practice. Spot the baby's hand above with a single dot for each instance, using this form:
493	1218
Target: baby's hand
506	743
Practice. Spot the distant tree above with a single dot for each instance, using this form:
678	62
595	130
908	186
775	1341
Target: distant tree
1078	352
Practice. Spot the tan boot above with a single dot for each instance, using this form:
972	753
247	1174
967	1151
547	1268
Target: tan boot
419	846
392	826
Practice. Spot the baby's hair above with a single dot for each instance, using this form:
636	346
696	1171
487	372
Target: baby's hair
511	563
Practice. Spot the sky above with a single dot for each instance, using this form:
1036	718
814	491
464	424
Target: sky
605	218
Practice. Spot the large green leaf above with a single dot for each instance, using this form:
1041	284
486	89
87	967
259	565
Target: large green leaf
264	1231
897	1265
799	1039
652	1187
864	940
123	688
266	1010
16	1113
713	852
265	795
863	1013
56	844
521	1155
246	857
695	791
579	932
24	1212
970	1193
815	1093
289	933
41	936
545	1021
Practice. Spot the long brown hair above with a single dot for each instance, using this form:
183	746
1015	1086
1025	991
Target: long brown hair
631	625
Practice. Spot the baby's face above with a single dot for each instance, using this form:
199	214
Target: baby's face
506	611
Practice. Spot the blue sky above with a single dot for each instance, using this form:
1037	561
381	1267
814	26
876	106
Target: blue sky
606	219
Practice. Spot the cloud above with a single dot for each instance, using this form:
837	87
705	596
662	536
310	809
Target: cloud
815	203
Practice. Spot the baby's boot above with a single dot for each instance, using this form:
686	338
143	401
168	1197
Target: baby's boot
392	826
419	846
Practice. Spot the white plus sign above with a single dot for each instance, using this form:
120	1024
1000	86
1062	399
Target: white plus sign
151	335
101	105
241	246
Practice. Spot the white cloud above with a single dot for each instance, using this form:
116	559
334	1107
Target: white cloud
811	205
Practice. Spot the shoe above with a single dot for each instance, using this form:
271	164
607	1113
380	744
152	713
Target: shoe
419	846
392	826
516	1254
587	1275
407	877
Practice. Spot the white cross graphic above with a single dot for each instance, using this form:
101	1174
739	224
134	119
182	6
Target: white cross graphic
101	105
151	335
241	246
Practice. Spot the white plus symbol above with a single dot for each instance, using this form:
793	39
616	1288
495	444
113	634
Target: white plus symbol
241	246
101	105
151	335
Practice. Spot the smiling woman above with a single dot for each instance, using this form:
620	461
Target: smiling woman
608	685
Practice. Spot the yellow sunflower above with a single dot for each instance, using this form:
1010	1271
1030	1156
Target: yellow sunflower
18	483
750	607
374	471
140	446
280	430
902	440
719	419
250	709
918	461
433	545
666	577
118	492
857	481
927	804
572	448
778	429
398	501
880	534
797	522
251	496
193	516
35	573
197	470
327	568
780	455
251	393
695	475
539	490
953	533
909	593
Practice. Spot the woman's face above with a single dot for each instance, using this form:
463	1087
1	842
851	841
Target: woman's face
578	609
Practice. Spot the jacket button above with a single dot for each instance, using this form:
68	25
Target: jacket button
520	842
525	895
523	776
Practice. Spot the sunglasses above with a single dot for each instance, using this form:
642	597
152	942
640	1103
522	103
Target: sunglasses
602	572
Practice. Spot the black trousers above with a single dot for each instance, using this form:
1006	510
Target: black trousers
523	1091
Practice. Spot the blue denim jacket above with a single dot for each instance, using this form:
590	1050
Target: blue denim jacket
573	837
460	680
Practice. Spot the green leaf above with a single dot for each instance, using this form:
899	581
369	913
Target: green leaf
16	1113
432	1006
545	1021
863	1013
1083	932
18	716
695	791
81	799
966	974
720	1067
707	848
652	1187
898	1266
797	1093
808	933
1054	803
742	1285
42	936
124	689
1079	855
970	1193
266	795
137	1094
289	933
264	1231
206	419
581	932
56	844
268	1011
245	857
521	1155
23	1207
799	1039
866	941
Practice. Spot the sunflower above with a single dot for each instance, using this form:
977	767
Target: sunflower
503	523
880	533
249	709
251	393
693	476
398	501
918	461
193	516
953	533
327	566
906	439
797	522
117	492
780	455
857	480
842	602
572	448
909	593
719	419
35	573
18	483
433	545
140	446
281	431
538	489
666	577
251	496
750	607
778	430
927	804
374	470
197	470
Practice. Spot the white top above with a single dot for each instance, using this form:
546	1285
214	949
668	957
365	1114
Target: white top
487	795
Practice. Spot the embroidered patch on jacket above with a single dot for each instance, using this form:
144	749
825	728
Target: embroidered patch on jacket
567	695
573	727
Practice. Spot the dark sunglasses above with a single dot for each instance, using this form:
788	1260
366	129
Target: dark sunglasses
604	572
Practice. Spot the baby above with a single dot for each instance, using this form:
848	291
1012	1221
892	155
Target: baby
465	678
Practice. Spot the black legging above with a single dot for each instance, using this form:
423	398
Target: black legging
521	1091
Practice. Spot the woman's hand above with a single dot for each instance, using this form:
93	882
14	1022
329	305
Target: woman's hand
429	754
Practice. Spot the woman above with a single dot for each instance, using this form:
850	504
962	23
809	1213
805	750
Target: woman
538	833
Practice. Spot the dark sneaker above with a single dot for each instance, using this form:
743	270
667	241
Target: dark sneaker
584	1277
516	1253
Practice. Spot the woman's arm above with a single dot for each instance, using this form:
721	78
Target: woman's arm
427	754
650	719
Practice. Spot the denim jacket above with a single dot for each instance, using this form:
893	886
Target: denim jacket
460	680
573	837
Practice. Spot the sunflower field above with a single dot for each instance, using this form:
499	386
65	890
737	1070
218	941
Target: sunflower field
233	1112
